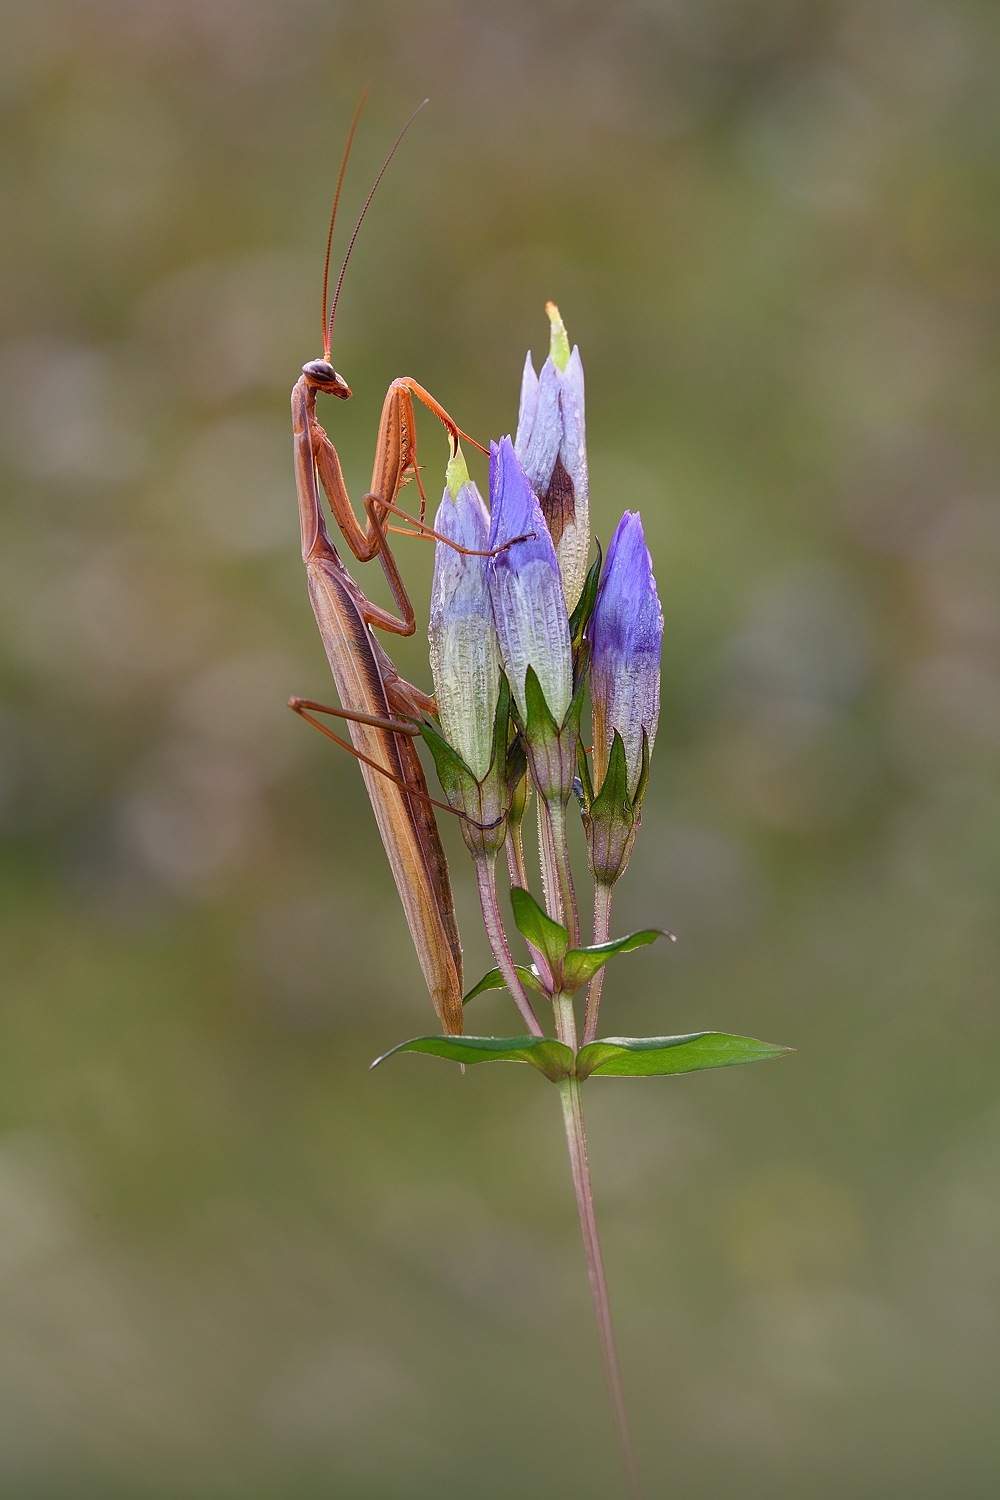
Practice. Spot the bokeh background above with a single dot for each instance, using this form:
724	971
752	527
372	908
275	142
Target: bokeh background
233	1263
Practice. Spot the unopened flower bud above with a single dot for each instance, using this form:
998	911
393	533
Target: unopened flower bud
464	652
526	588
625	632
551	443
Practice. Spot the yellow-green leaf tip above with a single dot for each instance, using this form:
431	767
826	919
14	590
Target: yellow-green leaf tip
558	338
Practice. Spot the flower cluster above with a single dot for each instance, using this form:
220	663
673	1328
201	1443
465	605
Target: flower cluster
520	624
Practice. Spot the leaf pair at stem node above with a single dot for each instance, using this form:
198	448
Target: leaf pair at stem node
611	1057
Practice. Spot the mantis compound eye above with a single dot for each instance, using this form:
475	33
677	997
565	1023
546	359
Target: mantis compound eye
322	375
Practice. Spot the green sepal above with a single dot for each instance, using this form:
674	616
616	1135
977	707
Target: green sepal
581	964
520	793
549	937
586	781
580	618
612	819
655	1056
538	720
551	747
550	1057
501	731
453	774
494	980
643	782
571	723
457	781
613	799
483	804
515	763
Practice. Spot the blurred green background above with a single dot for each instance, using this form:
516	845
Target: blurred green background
233	1263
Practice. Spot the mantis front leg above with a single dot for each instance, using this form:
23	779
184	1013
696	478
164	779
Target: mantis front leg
395	462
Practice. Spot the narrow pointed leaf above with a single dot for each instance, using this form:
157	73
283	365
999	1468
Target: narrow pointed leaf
550	1057
653	1056
494	980
550	938
581	964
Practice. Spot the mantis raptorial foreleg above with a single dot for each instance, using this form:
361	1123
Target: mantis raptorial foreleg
395	462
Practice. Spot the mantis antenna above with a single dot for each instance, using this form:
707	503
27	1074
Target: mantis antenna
333	216
328	327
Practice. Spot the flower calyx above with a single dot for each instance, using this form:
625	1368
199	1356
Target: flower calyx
483	802
611	818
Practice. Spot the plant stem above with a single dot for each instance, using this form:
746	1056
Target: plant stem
486	874
565	1019
602	931
576	1139
547	864
555	819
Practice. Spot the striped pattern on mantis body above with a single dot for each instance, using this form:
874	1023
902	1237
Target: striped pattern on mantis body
366	680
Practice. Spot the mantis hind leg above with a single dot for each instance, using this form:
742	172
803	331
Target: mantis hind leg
417	785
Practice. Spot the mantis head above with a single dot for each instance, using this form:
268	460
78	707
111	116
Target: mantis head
321	374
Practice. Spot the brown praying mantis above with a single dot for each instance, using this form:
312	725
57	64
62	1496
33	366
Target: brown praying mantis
378	704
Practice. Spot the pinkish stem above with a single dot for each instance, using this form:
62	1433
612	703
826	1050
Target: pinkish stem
576	1139
602	931
486	874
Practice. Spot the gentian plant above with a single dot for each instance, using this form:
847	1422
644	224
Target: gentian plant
520	628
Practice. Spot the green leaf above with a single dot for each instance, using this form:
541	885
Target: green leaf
653	1056
550	1057
581	964
550	938
494	980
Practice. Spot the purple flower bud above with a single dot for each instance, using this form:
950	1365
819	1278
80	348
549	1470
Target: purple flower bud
526	588
625	632
465	656
552	446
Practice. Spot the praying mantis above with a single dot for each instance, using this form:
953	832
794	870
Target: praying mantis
378	704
